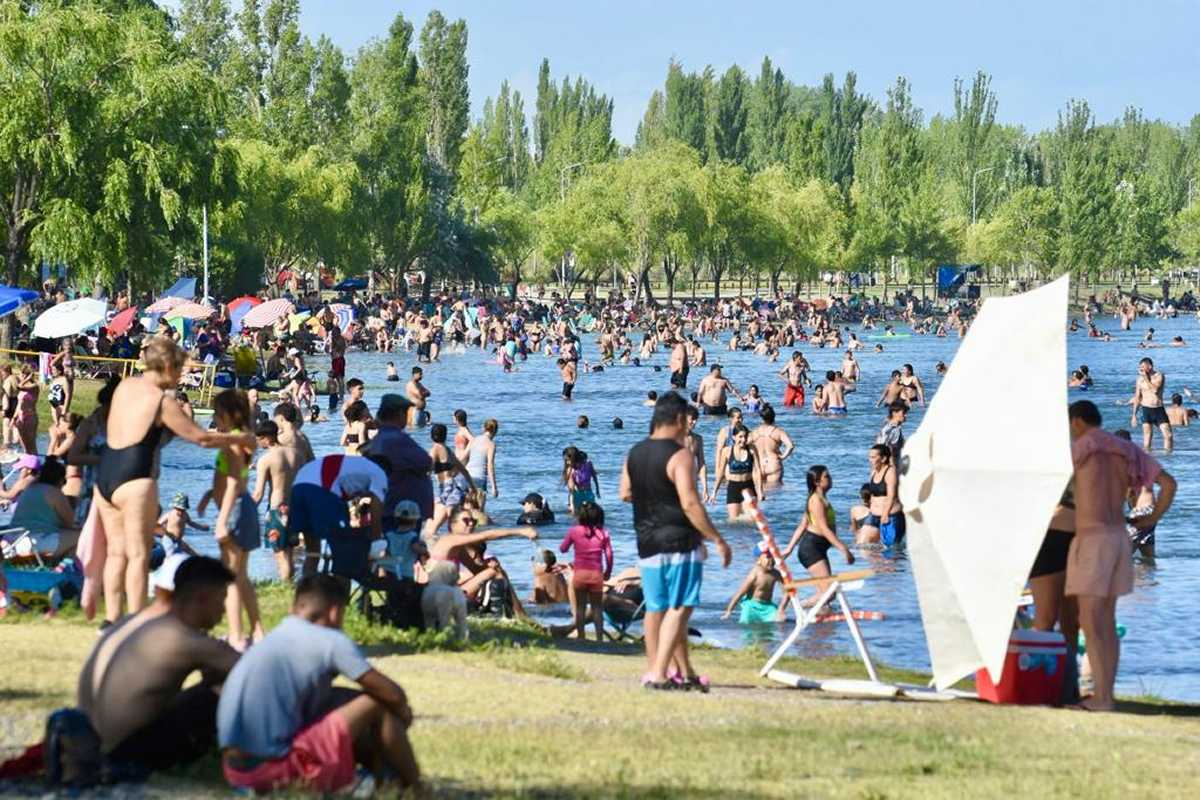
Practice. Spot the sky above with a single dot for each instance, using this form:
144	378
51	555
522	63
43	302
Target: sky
1112	53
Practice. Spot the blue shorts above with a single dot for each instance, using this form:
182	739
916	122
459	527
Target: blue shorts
312	512
893	532
837	411
672	580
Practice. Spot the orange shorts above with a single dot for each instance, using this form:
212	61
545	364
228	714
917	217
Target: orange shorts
321	760
1100	565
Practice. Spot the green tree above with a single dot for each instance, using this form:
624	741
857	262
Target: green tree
204	32
842	114
730	112
767	113
728	220
684	112
974	120
443	74
798	224
1086	190
652	130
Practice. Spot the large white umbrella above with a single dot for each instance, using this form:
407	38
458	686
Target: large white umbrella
981	477
268	313
70	318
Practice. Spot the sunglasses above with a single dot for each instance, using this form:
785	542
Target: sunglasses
470	522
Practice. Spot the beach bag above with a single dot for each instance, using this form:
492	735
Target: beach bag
72	750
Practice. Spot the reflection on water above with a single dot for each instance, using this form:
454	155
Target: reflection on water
535	425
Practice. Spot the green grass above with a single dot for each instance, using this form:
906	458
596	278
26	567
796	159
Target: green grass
516	714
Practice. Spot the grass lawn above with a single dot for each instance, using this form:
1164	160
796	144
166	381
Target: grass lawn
518	715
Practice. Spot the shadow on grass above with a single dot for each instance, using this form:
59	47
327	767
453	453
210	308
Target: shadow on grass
1155	707
463	791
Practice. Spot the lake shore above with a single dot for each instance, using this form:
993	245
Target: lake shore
520	715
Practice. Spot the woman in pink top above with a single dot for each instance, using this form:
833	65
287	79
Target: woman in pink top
593	565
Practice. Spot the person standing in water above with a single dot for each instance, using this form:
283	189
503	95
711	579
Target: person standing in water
417	395
773	446
659	478
794	373
277	467
816	534
1147	402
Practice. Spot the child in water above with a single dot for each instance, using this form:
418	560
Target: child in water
392	375
175	523
592	567
756	596
582	481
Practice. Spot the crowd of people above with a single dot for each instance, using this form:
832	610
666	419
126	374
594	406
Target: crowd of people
276	718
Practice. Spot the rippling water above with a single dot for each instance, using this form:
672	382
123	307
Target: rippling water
535	425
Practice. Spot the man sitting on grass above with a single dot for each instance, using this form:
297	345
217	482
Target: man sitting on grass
130	688
280	722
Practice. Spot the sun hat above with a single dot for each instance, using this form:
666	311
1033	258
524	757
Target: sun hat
407	510
180	500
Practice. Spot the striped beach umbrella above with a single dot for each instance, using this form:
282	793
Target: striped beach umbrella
268	313
193	311
164	304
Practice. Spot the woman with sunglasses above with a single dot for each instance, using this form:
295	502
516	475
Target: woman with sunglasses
447	553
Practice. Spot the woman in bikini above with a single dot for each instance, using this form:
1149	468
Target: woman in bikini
886	514
739	465
126	491
774	447
448	552
453	480
357	431
817	533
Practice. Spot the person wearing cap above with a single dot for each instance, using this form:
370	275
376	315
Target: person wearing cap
409	466
174	525
28	465
131	686
535	511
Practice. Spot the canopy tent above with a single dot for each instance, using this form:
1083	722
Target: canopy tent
164	304
247	300
980	479
122	322
184	288
268	313
193	311
12	298
70	318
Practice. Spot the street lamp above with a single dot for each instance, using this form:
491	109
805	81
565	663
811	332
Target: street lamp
975	175
562	179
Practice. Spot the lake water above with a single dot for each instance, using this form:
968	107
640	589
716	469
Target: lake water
1158	656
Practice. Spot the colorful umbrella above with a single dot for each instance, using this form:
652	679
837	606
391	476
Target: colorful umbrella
297	319
122	321
13	298
70	318
164	304
248	300
194	311
268	313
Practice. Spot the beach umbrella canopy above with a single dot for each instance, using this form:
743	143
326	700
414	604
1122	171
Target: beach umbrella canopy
164	304
194	311
12	298
297	319
122	321
248	301
70	318
268	313
351	285
980	479
184	288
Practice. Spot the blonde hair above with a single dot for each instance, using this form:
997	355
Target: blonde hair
162	355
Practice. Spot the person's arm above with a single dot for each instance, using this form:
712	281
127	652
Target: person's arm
491	468
443	547
62	507
387	693
756	474
262	476
63	449
566	543
624	488
191	523
596	481
702	470
185	428
608	556
1166	496
789	446
681	469
458	468
719	473
742	591
801	529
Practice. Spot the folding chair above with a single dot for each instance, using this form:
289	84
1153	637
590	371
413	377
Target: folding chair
347	555
620	617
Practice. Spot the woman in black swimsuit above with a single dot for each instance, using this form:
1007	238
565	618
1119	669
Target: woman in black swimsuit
126	494
738	464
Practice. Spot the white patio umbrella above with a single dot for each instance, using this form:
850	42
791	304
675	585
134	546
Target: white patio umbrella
981	477
268	313
70	318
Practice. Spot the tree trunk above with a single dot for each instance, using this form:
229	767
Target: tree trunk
716	279
646	286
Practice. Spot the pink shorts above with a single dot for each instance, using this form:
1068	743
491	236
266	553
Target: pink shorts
1100	565
588	580
321	760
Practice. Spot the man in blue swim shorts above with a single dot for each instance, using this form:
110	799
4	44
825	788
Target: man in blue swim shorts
659	478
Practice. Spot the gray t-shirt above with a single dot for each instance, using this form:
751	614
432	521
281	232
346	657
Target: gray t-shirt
282	685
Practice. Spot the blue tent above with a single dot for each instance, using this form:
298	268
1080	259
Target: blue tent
952	277
184	287
351	285
12	298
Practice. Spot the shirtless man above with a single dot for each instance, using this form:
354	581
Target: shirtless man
712	392
850	368
287	417
835	397
696	355
277	466
773	446
679	365
695	443
891	392
417	395
1147	405
567	370
355	389
794	373
1176	413
912	390
337	364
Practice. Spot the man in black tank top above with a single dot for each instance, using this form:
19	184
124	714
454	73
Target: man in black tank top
659	478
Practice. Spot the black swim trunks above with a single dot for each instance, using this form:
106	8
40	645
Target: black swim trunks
567	389
1153	416
679	379
1052	557
714	411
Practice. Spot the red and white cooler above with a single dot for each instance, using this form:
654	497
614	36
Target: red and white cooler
1033	670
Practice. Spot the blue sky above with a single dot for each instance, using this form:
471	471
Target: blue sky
1040	54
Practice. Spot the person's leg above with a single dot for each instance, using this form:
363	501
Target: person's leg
1168	436
115	560
1047	593
139	510
284	564
674	621
380	740
577	610
249	597
1146	435
596	599
651	628
1098	620
233	593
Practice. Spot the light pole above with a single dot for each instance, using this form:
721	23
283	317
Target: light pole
204	213
562	179
975	175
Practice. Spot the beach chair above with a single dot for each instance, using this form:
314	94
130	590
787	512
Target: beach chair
622	610
34	577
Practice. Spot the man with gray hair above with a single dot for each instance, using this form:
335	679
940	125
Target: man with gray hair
408	466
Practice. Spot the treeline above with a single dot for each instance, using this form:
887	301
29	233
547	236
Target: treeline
123	127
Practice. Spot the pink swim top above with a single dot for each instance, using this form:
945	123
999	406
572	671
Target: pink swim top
593	548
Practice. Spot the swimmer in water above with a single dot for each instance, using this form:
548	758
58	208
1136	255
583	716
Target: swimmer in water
582	422
835	398
651	398
755	598
392	375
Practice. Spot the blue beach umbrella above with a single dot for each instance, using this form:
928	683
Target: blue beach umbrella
12	298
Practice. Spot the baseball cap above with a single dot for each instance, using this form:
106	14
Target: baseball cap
164	576
28	461
407	509
179	500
